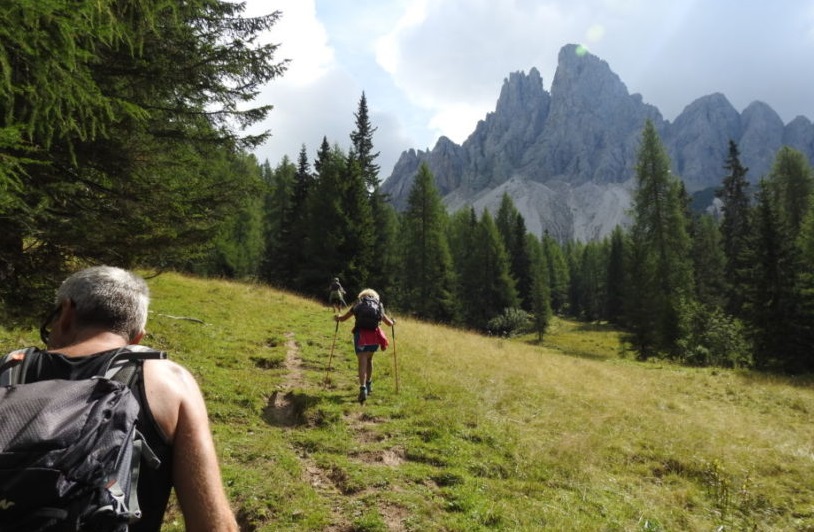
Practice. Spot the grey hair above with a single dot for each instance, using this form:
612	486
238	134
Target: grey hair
108	297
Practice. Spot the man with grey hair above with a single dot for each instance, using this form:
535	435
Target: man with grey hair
98	311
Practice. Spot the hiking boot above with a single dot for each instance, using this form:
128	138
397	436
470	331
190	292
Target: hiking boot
369	387
362	394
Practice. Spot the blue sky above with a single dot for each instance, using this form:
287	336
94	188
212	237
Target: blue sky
435	67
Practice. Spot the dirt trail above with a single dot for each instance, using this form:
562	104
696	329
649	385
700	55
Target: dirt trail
284	411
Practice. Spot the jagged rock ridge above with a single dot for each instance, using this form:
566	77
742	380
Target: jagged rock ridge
567	157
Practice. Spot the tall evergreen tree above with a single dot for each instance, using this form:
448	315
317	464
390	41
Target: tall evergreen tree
325	225
427	272
591	281
362	146
293	234
463	240
709	263
512	228
792	185
539	292
382	267
735	228
805	245
278	211
238	249
558	275
496	288
125	116
770	305
660	249
357	247
616	277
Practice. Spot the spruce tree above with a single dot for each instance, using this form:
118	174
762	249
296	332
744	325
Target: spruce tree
325	226
709	263
463	241
512	228
792	185
496	289
357	247
616	278
539	292
805	293
659	263
362	146
591	281
381	270
427	273
735	228
558	275
126	116
278	223
770	304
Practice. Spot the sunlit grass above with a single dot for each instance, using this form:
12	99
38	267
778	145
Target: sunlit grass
485	433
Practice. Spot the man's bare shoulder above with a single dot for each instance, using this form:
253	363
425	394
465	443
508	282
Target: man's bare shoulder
171	389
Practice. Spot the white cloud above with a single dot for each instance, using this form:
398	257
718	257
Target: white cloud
302	39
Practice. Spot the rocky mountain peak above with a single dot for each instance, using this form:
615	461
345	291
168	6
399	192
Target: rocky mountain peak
567	158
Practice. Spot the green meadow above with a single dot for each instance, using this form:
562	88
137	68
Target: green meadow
465	432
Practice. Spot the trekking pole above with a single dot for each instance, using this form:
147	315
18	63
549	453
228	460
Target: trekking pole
333	344
395	360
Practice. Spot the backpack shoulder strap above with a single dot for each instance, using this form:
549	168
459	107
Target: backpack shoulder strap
14	365
125	363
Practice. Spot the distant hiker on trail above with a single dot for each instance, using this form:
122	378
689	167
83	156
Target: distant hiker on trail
336	295
367	335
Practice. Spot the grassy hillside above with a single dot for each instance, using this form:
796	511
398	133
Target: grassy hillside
483	433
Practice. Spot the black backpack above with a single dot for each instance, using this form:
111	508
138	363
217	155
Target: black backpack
368	313
70	451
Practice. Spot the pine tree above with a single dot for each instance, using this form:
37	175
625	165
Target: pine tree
661	272
792	185
512	228
238	250
293	234
132	111
805	245
558	276
357	247
463	241
616	278
427	273
362	146
382	267
278	210
735	228
591	281
779	304
496	287
539	292
770	304
324	226
709	263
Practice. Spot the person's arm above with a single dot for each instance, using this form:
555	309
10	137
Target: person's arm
344	316
179	408
387	319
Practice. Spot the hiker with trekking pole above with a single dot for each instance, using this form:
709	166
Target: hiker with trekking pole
336	295
367	335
